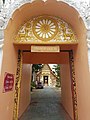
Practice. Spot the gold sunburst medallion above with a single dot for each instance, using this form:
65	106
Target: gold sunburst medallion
45	28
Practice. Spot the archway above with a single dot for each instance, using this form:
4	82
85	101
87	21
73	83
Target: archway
66	13
45	30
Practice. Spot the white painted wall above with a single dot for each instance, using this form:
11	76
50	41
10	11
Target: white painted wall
1	56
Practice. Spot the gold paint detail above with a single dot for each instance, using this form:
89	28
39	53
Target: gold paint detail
17	86
45	49
45	30
74	94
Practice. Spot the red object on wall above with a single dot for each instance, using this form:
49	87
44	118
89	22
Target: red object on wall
8	82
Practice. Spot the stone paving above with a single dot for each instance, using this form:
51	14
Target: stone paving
45	105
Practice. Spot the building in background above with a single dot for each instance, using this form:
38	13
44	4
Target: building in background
63	24
46	76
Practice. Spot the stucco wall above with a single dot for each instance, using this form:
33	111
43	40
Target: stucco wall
25	95
66	94
9	64
70	15
82	75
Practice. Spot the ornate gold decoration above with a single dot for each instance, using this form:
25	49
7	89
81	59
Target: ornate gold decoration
17	86
45	30
18	80
73	83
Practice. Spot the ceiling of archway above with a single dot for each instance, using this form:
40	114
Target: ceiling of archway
45	29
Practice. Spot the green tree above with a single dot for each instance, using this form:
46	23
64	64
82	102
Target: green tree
56	68
36	67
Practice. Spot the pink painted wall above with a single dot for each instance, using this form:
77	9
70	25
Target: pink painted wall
9	64
25	95
66	94
82	75
66	12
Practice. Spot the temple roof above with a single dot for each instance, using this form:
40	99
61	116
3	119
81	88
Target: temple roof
38	73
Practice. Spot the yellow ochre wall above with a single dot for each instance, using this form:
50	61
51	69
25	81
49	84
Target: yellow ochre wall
82	75
9	64
71	16
66	92
25	96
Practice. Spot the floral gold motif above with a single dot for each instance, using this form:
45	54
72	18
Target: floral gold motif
17	86
45	30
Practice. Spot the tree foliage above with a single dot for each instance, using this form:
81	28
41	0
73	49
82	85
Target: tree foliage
36	67
56	68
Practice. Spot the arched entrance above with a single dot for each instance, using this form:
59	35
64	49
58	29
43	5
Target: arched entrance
45	30
61	11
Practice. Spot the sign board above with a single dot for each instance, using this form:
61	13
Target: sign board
45	49
8	82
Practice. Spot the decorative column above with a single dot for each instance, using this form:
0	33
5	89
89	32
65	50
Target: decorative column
73	84
17	86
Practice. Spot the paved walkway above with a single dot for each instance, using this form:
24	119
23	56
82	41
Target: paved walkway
45	105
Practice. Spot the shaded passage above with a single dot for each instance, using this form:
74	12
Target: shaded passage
45	105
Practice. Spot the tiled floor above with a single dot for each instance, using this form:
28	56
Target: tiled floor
45	105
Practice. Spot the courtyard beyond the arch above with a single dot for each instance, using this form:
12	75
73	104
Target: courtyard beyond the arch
44	32
45	105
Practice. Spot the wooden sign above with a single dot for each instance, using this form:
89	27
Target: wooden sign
45	49
8	82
